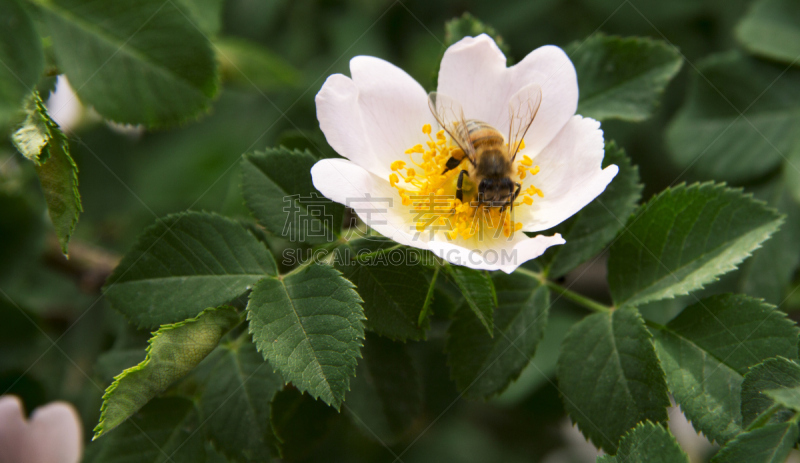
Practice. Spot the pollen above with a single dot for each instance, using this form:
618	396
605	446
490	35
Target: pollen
430	193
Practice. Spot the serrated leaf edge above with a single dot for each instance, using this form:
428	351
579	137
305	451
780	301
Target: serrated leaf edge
100	429
663	375
775	224
513	377
666	80
166	222
360	339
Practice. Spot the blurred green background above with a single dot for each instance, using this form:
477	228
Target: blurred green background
60	340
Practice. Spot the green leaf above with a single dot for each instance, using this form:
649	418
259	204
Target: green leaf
470	26
40	140
134	61
277	188
386	395
299	422
647	443
791	173
309	325
711	137
542	366
772	29
610	377
36	131
173	352
21	55
427	306
165	430
205	14
483	365
183	264
707	349
770	444
478	291
684	238
788	397
250	66
622	78
22	230
591	229
772	374
392	286
768	274
236	401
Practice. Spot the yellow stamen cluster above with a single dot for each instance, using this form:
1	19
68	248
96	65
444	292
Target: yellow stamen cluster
432	193
525	166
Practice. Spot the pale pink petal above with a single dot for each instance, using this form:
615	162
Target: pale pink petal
374	117
499	254
570	175
12	429
376	202
474	73
55	434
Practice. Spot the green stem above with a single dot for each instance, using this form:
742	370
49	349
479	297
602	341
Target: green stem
590	304
428	298
568	294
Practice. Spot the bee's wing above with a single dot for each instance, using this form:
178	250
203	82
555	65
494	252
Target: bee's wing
522	110
450	116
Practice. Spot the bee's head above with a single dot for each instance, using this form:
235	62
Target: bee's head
496	191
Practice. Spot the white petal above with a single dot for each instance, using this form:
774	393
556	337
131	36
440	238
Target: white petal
55	434
474	72
374	117
12	429
570	175
374	200
501	254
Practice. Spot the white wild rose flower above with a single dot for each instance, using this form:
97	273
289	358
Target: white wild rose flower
393	175
53	434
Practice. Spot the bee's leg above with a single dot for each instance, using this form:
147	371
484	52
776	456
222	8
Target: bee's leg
516	193
459	193
451	164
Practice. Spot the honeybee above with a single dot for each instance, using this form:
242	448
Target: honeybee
490	157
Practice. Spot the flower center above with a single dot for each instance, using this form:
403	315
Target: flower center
431	193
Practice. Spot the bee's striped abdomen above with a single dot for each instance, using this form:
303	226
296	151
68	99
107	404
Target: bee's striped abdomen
481	133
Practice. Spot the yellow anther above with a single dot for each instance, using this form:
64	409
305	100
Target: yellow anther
411	173
517	226
431	145
522	145
440	192
397	165
532	190
527	200
440	135
535	170
527	161
415	149
426	129
393	179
